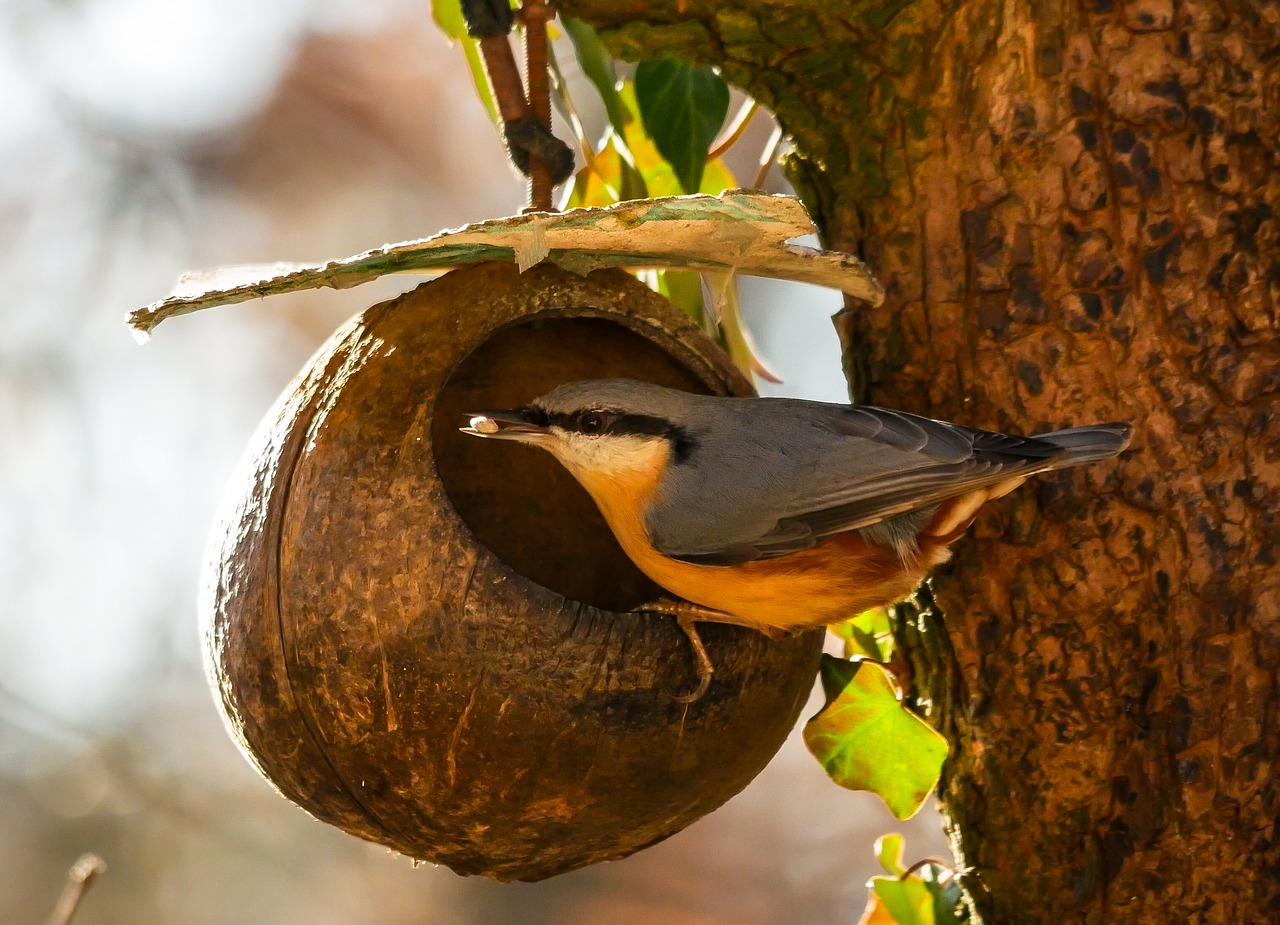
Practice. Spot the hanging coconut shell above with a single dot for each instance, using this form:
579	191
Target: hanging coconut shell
425	639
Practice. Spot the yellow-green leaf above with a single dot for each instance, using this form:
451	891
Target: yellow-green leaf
888	850
866	739
929	895
869	634
906	902
448	16
631	167
684	288
600	186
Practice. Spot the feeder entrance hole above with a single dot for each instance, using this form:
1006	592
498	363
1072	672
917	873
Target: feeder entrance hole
517	500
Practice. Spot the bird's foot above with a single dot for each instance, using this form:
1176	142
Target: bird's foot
687	614
704	666
699	614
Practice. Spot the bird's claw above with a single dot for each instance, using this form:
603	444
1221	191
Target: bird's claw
705	668
686	615
704	682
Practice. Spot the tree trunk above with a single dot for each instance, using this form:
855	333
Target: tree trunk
1073	209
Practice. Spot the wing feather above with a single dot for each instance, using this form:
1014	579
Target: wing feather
813	470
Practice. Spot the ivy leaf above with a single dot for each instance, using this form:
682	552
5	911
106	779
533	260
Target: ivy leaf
917	898
869	634
948	898
684	288
888	850
448	16
630	166
876	913
904	902
597	66
682	108
866	739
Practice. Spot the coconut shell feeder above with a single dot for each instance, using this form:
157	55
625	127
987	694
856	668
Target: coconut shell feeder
427	640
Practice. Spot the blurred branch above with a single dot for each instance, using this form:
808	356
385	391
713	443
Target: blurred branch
766	157
82	876
163	795
734	131
51	726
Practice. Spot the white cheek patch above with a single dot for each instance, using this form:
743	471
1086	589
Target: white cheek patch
611	455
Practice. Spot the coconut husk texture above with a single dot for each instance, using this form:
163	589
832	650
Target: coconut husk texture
424	638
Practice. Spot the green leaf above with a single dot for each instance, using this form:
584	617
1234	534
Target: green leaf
682	108
597	65
613	178
480	79
632	167
908	902
866	739
918	898
947	897
448	16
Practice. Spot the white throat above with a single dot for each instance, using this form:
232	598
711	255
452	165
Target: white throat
610	456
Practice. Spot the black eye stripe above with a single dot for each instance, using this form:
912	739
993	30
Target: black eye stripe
534	416
611	422
618	422
641	424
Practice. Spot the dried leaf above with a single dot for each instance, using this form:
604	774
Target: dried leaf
736	231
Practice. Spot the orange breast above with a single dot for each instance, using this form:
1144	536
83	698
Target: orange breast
825	584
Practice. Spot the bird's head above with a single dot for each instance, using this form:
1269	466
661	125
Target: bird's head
599	427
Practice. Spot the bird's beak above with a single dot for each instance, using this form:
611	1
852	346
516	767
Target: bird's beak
519	425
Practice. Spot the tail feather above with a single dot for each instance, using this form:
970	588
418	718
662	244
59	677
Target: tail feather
1087	444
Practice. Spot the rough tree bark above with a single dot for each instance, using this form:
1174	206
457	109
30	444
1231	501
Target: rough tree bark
1073	208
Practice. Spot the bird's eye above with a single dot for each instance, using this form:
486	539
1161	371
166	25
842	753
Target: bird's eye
593	422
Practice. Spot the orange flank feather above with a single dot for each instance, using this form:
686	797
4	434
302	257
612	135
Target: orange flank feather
825	584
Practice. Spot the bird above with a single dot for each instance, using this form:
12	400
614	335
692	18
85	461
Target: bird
779	514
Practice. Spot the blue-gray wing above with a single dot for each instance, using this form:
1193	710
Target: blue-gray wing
789	474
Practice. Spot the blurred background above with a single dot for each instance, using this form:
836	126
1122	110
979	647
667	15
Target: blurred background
145	137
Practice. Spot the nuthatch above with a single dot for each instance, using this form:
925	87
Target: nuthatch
779	514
